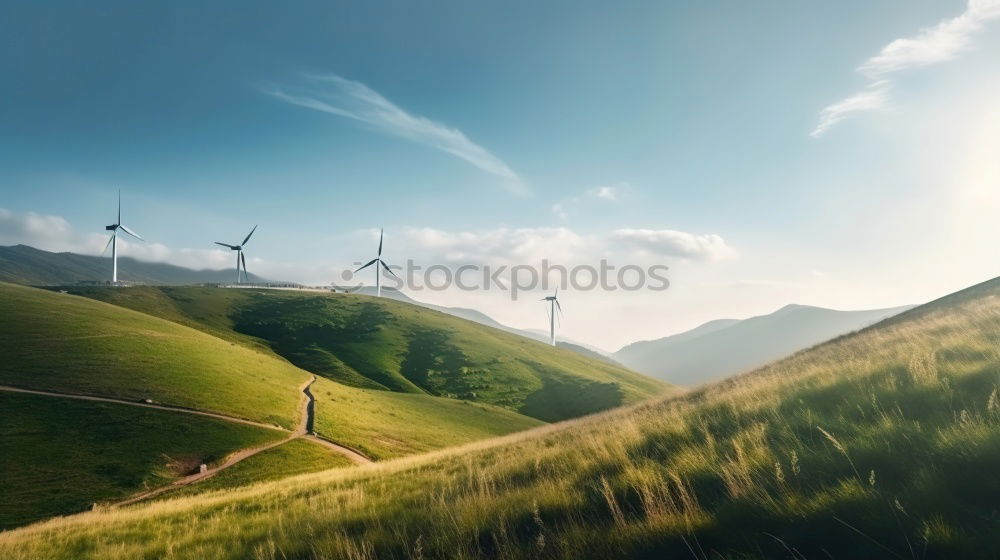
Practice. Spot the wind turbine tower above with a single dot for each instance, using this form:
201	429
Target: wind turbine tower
240	258
113	242
554	308
377	261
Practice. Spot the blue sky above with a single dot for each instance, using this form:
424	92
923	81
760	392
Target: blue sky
552	122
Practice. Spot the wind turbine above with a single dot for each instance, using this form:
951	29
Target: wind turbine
378	273
113	242
553	308
239	255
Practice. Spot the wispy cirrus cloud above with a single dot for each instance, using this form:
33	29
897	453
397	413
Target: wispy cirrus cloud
875	97
934	45
335	95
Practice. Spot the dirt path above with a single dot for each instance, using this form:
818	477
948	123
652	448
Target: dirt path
302	430
307	421
352	454
167	407
231	460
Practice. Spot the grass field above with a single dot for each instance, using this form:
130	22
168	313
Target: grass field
406	423
380	343
59	455
59	342
64	343
288	459
882	444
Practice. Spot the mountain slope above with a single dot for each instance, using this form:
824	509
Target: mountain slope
55	342
20	264
60	342
408	423
726	347
380	343
58	456
883	443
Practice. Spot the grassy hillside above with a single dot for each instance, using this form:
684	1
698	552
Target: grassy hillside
20	264
58	456
379	343
695	357
59	342
383	424
289	459
881	444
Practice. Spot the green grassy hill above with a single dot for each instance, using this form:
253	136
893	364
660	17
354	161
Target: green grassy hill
59	342
379	343
880	444
58	455
407	423
293	458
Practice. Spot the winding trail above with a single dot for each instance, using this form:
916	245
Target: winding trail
167	407
303	430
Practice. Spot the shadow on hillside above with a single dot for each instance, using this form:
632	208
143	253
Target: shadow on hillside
561	397
328	339
434	365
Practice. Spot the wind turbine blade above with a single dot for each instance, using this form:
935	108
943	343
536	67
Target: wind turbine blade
132	233
243	258
387	269
226	245
371	262
559	306
380	232
248	235
110	239
119	206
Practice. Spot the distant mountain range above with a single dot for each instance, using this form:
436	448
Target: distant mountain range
21	264
727	347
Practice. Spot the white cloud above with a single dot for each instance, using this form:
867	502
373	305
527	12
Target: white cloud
54	233
873	98
559	209
47	232
499	245
940	43
606	192
560	245
936	44
335	95
678	244
603	193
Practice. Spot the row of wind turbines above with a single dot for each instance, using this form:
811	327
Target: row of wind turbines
553	310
